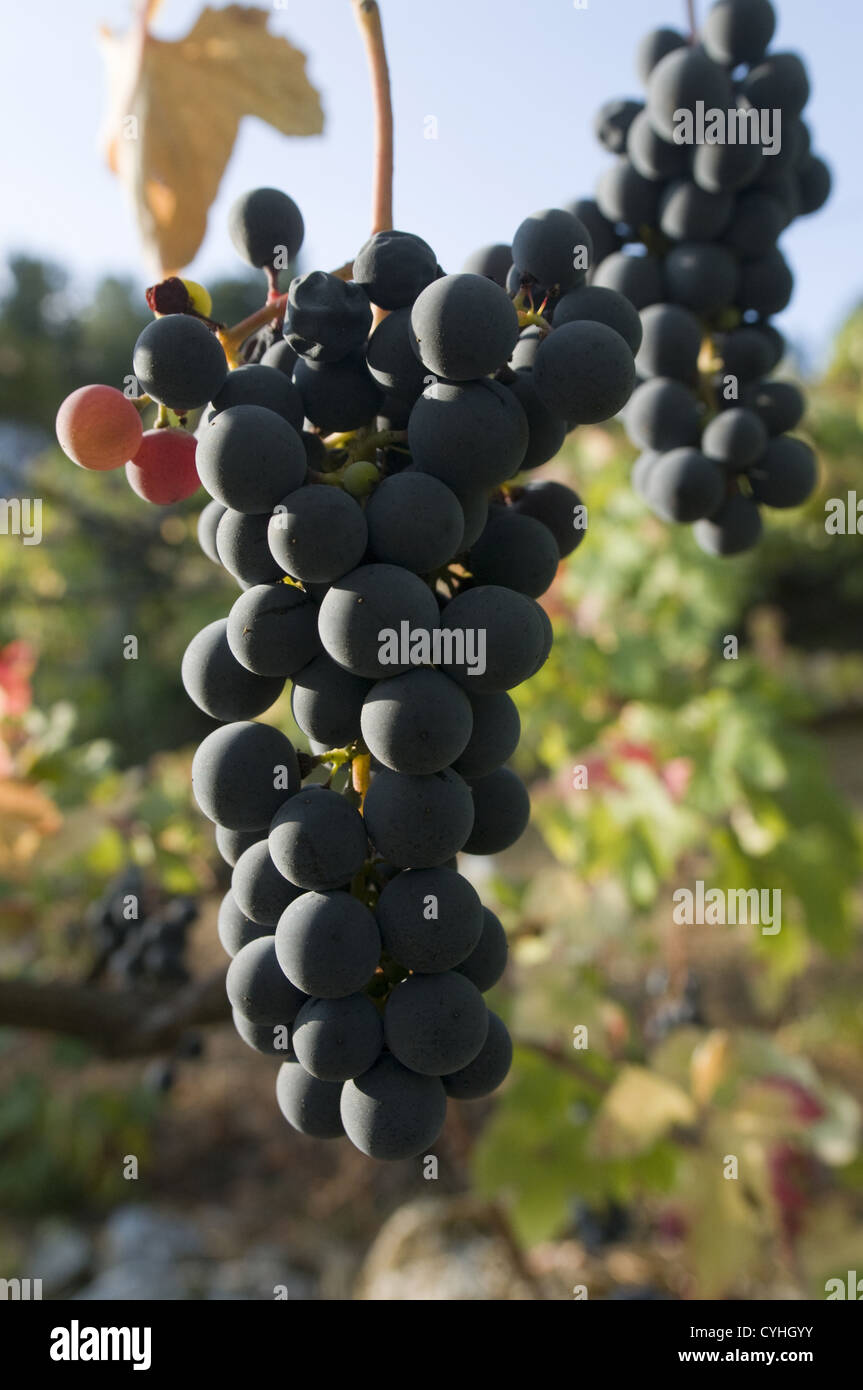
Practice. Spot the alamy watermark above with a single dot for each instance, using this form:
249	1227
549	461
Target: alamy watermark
710	125
77	1343
720	907
21	516
439	646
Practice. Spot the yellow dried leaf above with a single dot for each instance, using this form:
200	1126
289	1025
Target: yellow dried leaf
174	109
640	1108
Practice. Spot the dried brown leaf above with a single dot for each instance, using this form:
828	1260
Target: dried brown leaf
175	109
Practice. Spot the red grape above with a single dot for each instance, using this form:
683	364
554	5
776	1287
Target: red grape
163	470
98	427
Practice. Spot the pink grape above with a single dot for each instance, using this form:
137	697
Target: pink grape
163	470
98	427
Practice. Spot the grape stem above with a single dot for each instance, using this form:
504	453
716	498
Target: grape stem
272	284
360	774
232	339
368	17
693	23
359	443
528	318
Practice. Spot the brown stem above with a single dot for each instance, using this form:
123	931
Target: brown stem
693	23
368	17
232	339
118	1024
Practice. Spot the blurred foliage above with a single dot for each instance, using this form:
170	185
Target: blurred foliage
703	1042
66	1148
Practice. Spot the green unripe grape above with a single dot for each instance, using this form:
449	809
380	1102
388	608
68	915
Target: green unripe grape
360	479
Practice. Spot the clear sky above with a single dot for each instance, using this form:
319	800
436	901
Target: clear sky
513	85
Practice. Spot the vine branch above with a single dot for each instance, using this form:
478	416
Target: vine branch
118	1024
368	17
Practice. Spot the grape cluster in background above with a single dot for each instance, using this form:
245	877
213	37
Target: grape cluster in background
689	233
137	937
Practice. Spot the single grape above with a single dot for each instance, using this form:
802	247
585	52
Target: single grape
430	919
492	261
337	1039
309	1105
785	475
737	438
327	317
601	306
637	278
208	522
738	31
584	371
734	528
501	812
517	552
215	681
179	362
326	702
488	1068
235	928
339	395
394	267
415	521
264	223
685	485
257	987
463	327
164	469
361	478
231	843
417	722
435	1024
362	610
249	458
318	533
318	840
98	427
487	961
328	944
662	414
546	431
242	544
242	773
418	822
273	630
261	384
495	735
558	507
469	435
550	245
260	891
390	1112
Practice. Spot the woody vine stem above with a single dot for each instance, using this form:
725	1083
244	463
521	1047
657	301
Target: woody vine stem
368	17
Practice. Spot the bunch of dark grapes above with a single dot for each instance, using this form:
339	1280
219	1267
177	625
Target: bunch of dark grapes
137	936
689	234
361	463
